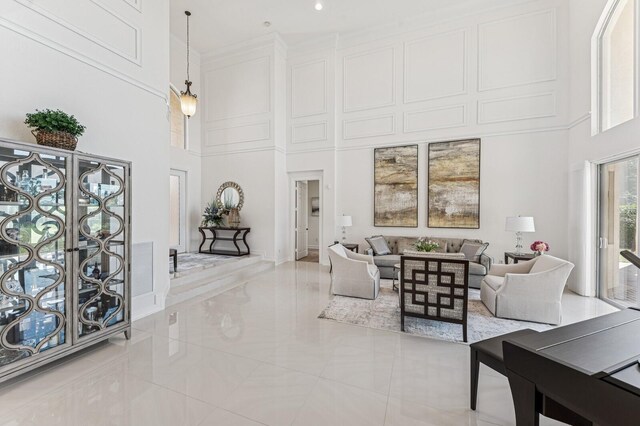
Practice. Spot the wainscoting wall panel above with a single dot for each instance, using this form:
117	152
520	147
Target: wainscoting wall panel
435	67
517	108
518	50
369	80
369	127
238	90
309	89
435	118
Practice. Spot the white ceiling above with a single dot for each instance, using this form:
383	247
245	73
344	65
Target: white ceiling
219	23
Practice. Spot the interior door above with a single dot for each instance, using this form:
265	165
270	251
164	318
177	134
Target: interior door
302	220
618	278
177	210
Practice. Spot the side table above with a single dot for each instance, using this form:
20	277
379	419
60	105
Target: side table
351	246
224	234
517	257
396	269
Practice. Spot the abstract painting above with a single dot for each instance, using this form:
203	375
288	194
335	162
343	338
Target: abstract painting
454	184
396	186
315	206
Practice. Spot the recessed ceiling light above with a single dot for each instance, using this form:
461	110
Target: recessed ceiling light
319	6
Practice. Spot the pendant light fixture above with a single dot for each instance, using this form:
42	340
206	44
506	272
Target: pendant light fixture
188	101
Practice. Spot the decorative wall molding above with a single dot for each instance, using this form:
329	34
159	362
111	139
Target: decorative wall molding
516	108
136	4
407	60
250	132
552	56
345	79
295	91
315	132
263	106
244	151
83	58
457	118
381	125
136	58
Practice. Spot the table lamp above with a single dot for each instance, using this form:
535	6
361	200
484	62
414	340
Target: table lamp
344	221
520	224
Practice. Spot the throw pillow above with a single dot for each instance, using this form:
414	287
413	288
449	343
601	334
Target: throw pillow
472	250
379	245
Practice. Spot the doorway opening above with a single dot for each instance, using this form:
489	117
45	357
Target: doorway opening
178	210
619	280
307	220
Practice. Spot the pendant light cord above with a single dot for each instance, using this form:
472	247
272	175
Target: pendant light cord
188	78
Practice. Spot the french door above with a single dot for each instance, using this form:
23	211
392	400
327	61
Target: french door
619	280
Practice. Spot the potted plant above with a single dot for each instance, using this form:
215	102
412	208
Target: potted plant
56	129
426	245
213	216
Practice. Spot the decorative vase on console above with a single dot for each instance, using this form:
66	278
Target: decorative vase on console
233	218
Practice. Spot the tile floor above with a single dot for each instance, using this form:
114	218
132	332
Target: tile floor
257	354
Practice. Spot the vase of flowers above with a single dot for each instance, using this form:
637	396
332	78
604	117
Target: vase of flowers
213	216
539	247
425	245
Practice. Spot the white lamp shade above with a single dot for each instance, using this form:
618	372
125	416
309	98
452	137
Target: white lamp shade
188	104
345	221
520	224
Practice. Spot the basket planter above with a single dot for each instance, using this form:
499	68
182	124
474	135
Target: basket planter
62	140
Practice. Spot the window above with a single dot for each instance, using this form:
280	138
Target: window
615	44
619	190
178	120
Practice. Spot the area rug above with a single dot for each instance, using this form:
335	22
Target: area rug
193	262
384	314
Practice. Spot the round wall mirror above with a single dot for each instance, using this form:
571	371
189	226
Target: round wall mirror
230	196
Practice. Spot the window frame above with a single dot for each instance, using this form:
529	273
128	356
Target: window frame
185	120
597	66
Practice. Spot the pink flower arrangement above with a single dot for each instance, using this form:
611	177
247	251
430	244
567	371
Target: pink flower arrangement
539	246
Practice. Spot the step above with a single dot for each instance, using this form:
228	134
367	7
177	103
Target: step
181	278
220	278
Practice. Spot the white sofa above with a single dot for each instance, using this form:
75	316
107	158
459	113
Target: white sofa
352	274
527	291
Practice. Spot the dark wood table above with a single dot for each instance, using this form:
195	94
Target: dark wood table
517	257
174	254
221	233
353	247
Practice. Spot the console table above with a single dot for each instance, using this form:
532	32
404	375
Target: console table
235	235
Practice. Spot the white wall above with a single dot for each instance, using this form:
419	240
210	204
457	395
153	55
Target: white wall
243	139
313	221
500	75
585	149
189	160
517	77
111	70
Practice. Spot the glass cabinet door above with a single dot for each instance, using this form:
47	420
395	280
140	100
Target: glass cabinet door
102	242
33	247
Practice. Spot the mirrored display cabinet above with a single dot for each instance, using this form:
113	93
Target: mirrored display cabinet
64	253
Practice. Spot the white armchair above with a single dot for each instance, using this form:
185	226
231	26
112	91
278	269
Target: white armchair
352	274
527	291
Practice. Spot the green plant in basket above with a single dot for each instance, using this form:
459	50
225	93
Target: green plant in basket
56	129
54	121
425	245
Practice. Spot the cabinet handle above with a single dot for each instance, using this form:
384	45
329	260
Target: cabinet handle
76	249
